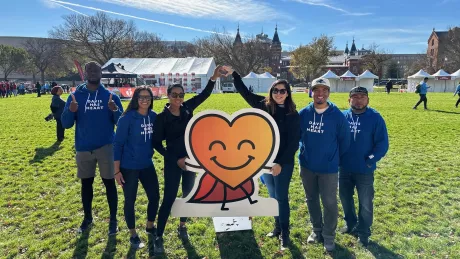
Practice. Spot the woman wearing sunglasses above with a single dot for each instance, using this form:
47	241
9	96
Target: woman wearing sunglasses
170	126
279	104
133	151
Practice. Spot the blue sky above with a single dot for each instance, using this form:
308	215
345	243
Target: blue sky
398	26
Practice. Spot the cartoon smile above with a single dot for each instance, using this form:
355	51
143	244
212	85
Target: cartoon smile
214	159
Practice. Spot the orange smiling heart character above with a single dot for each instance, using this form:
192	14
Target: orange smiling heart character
231	152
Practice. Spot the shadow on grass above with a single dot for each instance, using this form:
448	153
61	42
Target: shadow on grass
151	248
110	248
81	246
240	244
41	153
341	252
191	252
381	252
448	112
295	252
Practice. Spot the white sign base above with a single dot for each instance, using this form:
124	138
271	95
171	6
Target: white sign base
227	224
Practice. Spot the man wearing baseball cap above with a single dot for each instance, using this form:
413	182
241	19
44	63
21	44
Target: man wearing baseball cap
325	137
369	144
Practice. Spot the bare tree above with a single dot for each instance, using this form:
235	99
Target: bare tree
452	50
422	62
306	61
11	59
376	60
101	38
42	53
251	55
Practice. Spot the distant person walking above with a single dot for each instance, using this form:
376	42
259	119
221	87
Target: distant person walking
389	86
457	91
39	88
57	107
422	89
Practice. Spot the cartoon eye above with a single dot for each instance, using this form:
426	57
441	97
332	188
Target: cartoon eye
246	141
217	142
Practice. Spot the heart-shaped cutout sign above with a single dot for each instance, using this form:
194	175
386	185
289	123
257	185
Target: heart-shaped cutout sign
234	148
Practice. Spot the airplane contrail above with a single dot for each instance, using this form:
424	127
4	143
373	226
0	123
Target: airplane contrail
73	10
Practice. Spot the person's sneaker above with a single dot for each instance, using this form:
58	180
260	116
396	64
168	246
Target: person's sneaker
136	242
275	233
151	231
182	232
285	242
347	230
364	241
329	245
159	246
315	237
113	227
415	108
87	223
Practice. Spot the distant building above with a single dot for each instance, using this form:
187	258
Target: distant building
436	51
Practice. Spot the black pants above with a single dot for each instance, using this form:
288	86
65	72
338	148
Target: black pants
59	130
39	93
422	99
388	90
458	101
87	197
149	180
172	176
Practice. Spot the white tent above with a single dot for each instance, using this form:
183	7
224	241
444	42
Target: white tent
265	82
347	81
266	75
366	79
415	79
333	80
192	73
456	77
443	82
252	79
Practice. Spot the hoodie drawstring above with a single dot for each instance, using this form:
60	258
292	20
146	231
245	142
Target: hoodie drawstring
95	98
321	121
355	126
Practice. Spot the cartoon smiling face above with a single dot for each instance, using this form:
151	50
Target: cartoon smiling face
232	151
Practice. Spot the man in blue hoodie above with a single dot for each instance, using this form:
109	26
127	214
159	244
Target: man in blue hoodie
369	144
423	90
95	111
457	91
325	137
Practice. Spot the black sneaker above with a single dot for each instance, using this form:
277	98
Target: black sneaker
136	242
364	241
159	246
113	227
285	242
151	231
275	233
86	224
182	232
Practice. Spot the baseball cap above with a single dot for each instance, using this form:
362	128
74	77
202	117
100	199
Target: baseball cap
320	81
358	90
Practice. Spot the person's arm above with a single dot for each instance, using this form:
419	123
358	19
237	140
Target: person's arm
116	114
381	143
293	141
195	101
344	136
159	135
252	99
68	118
121	137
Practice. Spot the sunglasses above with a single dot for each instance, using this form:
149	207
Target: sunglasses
176	95
144	98
280	91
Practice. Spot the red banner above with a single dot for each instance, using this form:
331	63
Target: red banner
127	92
80	71
347	78
443	78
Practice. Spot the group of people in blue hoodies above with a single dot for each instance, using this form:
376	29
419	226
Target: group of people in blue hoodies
336	148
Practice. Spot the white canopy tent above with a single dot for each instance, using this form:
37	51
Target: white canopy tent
265	82
333	80
456	77
414	80
347	82
252	79
192	73
443	82
366	79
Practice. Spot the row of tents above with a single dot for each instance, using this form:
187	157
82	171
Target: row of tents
348	80
440	81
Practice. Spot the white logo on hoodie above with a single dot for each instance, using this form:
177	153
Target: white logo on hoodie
93	105
147	129
315	127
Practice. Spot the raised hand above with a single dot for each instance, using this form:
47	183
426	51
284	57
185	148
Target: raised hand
229	70
73	105
218	73
112	106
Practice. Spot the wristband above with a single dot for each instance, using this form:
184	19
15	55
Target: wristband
118	172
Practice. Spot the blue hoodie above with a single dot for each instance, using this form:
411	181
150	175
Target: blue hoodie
94	120
325	137
424	87
369	137
133	144
457	91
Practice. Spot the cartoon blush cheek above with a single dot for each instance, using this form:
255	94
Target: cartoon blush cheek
233	152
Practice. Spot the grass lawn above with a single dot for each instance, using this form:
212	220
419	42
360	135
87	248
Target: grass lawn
417	200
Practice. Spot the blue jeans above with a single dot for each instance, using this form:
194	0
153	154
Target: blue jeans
278	188
364	184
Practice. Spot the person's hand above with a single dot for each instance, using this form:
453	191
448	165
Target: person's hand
73	105
229	70
119	178
112	106
276	170
218	72
181	163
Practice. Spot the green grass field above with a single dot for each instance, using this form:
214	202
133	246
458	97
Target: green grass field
417	200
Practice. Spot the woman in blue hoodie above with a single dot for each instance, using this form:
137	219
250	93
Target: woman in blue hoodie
133	151
280	105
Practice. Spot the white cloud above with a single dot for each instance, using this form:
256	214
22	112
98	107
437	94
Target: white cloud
325	4
379	32
232	10
287	31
